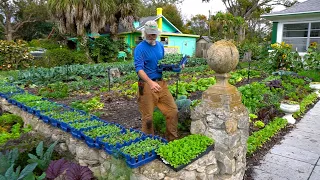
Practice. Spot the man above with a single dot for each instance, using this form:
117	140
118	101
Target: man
153	91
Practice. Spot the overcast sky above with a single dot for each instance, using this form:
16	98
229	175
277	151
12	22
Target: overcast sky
190	8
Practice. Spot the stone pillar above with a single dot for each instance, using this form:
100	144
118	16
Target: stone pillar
222	116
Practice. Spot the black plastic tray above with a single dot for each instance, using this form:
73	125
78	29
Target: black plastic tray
209	148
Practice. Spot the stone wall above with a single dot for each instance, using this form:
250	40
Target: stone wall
101	163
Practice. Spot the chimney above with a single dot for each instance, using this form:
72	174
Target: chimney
159	21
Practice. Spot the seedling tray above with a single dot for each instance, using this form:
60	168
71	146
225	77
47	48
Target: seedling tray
142	159
209	148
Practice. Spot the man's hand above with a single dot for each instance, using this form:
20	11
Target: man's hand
154	86
183	65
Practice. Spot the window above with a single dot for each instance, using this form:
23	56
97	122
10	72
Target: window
164	40
138	40
301	35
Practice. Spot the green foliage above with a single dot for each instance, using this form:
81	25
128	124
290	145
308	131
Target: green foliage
259	124
312	74
258	138
259	50
105	49
56	90
102	130
63	56
42	159
26	173
14	55
121	138
308	100
159	121
88	105
252	96
10	119
44	43
182	151
312	58
281	58
141	147
7	159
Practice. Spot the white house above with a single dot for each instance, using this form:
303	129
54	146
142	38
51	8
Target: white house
298	25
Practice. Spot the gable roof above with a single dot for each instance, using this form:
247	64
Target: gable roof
143	20
307	7
206	38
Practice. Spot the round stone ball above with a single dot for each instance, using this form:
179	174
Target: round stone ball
223	56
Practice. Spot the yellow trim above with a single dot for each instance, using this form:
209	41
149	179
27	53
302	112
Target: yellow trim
176	34
176	47
159	21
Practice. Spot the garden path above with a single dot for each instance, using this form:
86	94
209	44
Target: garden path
298	155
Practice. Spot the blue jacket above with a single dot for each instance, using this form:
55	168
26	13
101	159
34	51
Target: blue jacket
146	58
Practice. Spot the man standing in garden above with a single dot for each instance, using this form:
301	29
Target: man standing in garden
153	90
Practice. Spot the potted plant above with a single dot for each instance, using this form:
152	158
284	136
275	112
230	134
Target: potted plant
289	107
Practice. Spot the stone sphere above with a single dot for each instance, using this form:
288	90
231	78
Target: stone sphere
223	56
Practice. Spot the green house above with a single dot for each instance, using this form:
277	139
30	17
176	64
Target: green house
173	39
298	25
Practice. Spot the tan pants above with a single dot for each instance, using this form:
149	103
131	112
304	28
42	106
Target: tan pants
165	102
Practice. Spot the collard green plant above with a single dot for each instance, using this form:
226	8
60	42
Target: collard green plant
312	58
26	173
8	159
42	158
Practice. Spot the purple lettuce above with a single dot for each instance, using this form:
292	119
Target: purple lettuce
73	171
77	172
56	168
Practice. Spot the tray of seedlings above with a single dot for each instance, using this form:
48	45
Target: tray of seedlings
90	134
142	152
180	153
112	142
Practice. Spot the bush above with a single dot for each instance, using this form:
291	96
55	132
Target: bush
106	49
62	56
44	43
14	55
281	58
312	59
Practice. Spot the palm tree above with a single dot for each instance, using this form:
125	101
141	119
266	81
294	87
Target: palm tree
75	16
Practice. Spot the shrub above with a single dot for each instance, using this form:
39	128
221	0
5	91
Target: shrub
63	56
281	58
312	58
14	55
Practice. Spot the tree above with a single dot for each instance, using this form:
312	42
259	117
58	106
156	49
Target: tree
148	7
171	12
15	15
198	25
77	17
251	10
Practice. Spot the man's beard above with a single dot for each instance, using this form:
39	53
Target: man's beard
151	42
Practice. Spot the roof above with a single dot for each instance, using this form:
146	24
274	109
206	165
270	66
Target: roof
306	7
142	22
206	38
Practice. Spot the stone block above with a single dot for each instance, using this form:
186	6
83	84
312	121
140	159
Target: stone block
285	167
197	127
190	175
296	153
315	175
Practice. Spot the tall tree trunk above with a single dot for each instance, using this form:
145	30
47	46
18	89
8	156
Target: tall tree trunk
8	29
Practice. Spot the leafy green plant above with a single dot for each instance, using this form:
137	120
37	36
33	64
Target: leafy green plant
89	105
312	58
147	145
56	90
120	138
259	124
258	138
102	130
26	173
42	158
182	151
282	58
